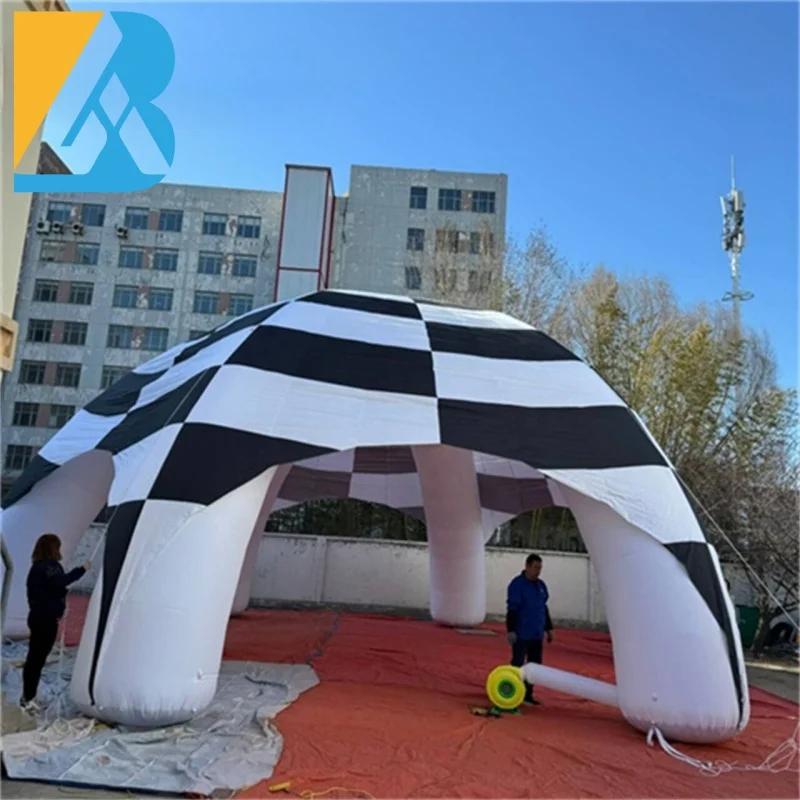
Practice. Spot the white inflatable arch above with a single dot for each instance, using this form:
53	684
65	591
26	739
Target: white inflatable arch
465	418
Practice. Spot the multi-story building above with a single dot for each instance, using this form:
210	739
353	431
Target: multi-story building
15	206
108	281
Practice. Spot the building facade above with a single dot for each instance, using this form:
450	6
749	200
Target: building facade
15	206
109	281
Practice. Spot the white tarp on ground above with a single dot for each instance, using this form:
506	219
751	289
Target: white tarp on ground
230	745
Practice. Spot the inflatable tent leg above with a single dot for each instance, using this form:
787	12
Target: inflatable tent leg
455	534
66	503
671	658
242	597
158	660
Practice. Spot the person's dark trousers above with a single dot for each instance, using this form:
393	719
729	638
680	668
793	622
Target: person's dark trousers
522	651
44	632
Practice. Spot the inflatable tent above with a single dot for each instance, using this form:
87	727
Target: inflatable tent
466	417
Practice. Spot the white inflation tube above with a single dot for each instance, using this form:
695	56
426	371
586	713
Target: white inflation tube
570	683
65	503
673	670
159	659
242	597
455	534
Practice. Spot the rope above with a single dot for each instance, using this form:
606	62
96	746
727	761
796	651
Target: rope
738	554
781	759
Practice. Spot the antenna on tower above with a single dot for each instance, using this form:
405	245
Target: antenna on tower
733	244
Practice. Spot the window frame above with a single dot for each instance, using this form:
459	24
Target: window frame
95	220
40	366
127	290
51	287
205	295
165	214
137	213
149	331
108	369
161	252
248	226
418	198
415	240
51	416
27	450
450	200
414	285
46	326
78	286
81	328
484	201
25	410
237	297
204	256
59	217
163	291
130	249
69	367
238	259
87	246
115	329
214	227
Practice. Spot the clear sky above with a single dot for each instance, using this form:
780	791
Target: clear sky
614	122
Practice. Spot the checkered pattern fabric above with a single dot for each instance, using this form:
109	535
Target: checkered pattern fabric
341	385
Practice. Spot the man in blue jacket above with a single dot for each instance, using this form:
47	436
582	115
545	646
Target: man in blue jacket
528	618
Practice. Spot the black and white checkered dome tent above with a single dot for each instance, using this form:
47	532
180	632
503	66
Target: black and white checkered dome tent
463	418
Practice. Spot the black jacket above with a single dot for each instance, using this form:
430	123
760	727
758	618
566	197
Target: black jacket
47	588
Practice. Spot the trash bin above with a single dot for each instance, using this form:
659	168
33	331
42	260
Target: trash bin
748	618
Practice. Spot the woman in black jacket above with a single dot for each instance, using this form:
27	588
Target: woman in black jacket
47	599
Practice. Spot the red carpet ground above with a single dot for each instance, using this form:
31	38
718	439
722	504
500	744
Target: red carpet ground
391	718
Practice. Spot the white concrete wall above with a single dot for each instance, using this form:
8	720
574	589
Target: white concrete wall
293	568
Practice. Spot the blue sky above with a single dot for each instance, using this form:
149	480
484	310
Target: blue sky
614	122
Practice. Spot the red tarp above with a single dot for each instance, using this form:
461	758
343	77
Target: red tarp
391	718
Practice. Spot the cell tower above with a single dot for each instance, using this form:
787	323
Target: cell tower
733	244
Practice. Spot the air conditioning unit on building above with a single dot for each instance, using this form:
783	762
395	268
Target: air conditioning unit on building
77	228
43	226
57	227
122	232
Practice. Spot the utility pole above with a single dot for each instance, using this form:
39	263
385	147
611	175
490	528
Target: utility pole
733	244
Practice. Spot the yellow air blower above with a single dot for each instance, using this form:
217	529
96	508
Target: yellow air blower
505	688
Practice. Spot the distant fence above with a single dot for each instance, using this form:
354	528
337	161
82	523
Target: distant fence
378	573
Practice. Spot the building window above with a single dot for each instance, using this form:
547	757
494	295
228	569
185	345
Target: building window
165	260
155	339
240	304
249	227
215	224
93	215
449	199
68	375
413	278
18	456
120	336
60	416
131	257
75	333
483	202
59	212
206	302
32	372
244	266
81	294
87	253
125	296
448	241
475	243
415	239
45	291
419	197
446	280
195	334
209	263
137	218
111	375
53	251
25	414
40	330
160	300
170	221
